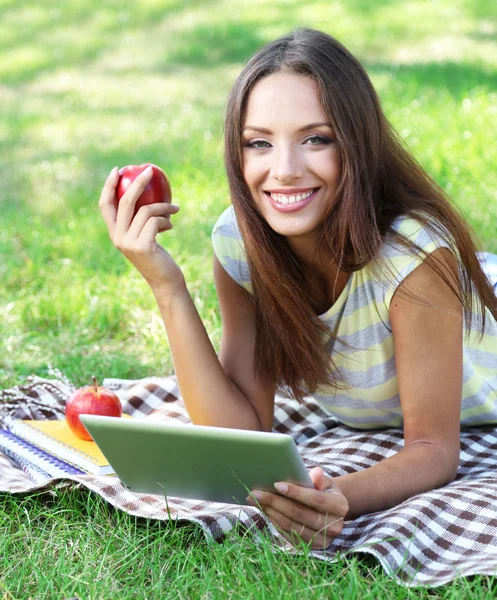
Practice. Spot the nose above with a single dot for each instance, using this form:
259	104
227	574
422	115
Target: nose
287	164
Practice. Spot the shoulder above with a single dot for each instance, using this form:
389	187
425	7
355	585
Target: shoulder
226	225
410	240
415	236
229	249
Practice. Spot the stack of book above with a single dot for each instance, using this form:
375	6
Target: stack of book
47	449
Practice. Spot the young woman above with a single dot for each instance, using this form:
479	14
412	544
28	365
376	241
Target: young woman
342	272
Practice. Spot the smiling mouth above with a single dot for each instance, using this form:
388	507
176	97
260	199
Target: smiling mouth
291	198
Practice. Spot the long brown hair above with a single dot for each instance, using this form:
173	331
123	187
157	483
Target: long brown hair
380	181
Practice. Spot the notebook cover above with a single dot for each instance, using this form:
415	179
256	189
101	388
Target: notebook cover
55	437
33	460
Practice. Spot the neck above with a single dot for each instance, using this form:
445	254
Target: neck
324	280
308	255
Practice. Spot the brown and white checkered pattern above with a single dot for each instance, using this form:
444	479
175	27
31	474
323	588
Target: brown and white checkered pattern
430	539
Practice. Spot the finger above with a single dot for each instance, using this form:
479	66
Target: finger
316	542
318	478
172	210
127	203
293	531
294	511
320	542
107	202
154	226
332	526
296	532
160	209
168	226
286	524
268	499
330	501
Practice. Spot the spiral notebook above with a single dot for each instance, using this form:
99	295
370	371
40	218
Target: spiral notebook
54	437
39	465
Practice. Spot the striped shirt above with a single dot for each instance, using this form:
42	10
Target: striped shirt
364	351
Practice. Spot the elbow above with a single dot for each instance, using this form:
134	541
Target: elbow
441	461
448	464
443	466
450	473
453	467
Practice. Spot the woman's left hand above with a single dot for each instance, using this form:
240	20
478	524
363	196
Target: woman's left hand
314	515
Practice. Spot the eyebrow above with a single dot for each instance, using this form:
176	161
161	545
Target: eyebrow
304	128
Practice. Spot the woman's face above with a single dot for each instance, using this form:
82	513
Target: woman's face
290	159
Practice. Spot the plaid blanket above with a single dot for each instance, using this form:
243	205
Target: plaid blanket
429	539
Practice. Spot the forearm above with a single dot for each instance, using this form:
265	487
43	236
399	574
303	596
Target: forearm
415	469
210	397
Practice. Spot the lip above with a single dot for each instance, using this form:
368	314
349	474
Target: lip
286	208
291	191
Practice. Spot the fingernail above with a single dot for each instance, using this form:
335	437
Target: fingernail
147	171
282	488
250	500
113	172
257	495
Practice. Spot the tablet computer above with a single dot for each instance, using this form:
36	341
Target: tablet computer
196	461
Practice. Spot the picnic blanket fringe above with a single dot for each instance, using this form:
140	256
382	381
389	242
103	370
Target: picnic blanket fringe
428	540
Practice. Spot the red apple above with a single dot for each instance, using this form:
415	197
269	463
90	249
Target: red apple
91	400
158	189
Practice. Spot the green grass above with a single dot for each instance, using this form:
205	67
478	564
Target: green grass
85	86
74	544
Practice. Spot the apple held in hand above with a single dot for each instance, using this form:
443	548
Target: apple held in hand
158	189
91	400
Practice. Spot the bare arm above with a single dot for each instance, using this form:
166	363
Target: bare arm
428	356
222	392
226	393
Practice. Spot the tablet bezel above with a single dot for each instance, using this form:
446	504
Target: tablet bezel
196	461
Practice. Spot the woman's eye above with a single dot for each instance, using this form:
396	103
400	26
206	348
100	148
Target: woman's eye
257	144
319	139
313	140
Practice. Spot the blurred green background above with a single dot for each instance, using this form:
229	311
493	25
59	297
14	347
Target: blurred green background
86	86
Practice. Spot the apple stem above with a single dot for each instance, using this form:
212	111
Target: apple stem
95	382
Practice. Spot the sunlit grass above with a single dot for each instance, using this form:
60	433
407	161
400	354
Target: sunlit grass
66	125
75	545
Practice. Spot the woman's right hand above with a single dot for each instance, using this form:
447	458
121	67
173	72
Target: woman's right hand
134	235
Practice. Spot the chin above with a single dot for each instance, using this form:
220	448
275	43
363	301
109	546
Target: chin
292	232
290	227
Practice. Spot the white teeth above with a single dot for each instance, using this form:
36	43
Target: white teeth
285	199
